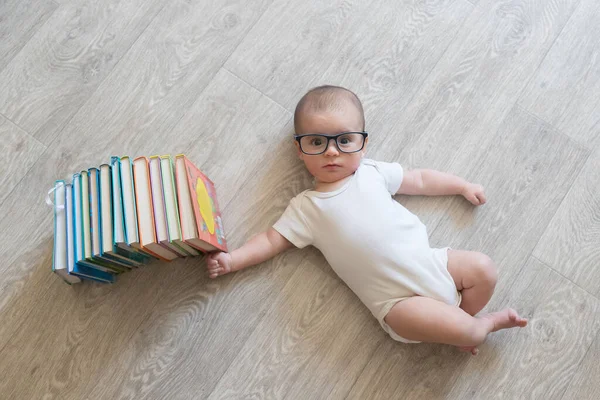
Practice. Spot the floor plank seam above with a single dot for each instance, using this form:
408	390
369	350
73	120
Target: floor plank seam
363	368
587	351
22	129
535	72
56	6
554	129
258	90
568	279
247	33
560	203
109	74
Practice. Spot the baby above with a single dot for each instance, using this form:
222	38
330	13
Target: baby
375	245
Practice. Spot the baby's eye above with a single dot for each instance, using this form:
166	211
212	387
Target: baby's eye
344	140
316	142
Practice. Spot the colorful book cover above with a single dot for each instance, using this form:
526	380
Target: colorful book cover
206	208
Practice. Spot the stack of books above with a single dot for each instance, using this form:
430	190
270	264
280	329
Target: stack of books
123	215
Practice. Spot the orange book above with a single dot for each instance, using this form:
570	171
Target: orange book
144	206
200	215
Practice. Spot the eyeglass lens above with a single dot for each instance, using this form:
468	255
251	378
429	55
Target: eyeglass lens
347	143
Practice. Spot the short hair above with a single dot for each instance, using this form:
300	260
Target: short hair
327	98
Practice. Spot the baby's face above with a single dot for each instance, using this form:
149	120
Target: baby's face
333	164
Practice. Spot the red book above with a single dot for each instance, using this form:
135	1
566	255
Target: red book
199	212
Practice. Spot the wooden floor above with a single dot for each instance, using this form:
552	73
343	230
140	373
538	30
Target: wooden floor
505	93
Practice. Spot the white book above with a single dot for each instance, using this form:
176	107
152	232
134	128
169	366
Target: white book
60	257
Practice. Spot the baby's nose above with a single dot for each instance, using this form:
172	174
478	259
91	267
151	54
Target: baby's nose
331	148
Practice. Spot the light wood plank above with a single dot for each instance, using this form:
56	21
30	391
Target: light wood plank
228	131
312	343
298	45
19	152
526	171
196	327
178	293
585	382
131	114
570	244
474	86
66	60
409	371
563	322
20	20
565	89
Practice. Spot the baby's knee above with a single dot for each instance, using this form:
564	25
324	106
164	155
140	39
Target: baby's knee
486	269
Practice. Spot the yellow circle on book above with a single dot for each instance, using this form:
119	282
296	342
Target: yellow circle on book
205	206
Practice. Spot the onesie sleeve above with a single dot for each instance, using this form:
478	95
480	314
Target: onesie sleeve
392	174
292	225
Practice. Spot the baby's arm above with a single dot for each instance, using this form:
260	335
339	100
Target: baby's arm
430	182
258	249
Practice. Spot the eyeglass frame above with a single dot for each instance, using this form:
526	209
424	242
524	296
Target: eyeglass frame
365	135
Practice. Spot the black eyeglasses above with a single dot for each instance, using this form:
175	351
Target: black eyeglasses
346	142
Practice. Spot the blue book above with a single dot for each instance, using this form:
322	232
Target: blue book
96	226
81	218
79	267
109	206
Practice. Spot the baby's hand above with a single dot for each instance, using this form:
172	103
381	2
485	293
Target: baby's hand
474	193
218	264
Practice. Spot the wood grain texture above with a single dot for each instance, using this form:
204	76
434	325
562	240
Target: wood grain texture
197	327
66	60
564	91
439	87
19	152
409	371
132	113
570	244
312	343
473	87
584	384
540	360
526	171
231	127
19	20
298	45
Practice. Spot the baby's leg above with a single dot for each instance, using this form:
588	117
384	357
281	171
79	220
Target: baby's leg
475	276
427	320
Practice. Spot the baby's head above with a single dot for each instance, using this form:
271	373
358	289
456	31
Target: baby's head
323	113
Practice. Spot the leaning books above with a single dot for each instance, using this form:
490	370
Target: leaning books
121	215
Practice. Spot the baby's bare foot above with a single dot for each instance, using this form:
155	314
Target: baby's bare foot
505	319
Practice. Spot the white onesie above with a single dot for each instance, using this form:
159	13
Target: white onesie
375	245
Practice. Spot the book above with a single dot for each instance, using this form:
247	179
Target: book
145	209
130	214
81	267
108	248
199	210
62	260
171	209
83	221
158	204
118	220
70	233
118	216
95	224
